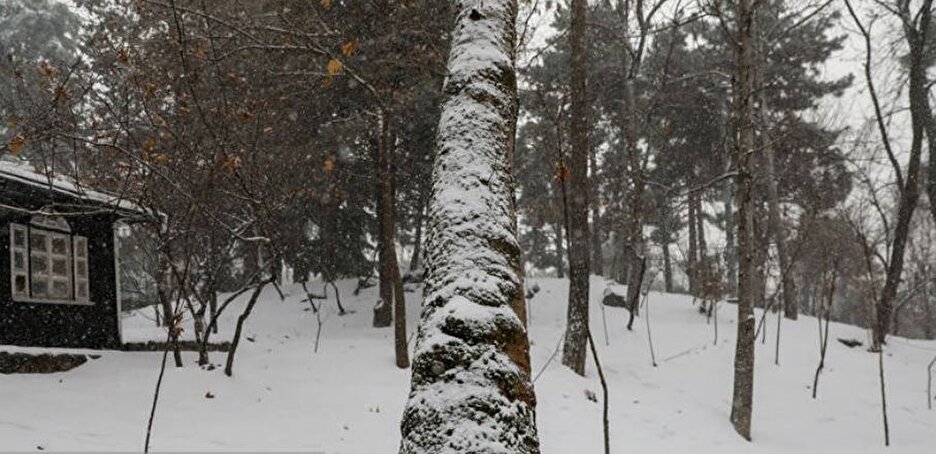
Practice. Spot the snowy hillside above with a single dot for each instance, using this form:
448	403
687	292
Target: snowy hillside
348	397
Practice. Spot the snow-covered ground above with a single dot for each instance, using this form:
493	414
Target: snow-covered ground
348	397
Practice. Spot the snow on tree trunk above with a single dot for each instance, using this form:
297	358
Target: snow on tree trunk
471	388
576	337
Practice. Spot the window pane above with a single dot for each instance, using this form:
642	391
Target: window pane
40	288
81	269
82	289
19	261
37	240
60	267
59	245
19	236
19	285
60	289
39	264
81	246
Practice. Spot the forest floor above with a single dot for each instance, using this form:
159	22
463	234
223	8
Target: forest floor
348	397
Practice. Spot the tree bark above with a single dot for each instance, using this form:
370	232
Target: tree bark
691	261
731	256
394	299
471	387
576	337
667	268
743	392
597	238
383	313
212	304
700	228
560	251
399	318
239	328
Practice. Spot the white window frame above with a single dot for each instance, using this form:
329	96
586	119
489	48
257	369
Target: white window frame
75	257
81	288
23	251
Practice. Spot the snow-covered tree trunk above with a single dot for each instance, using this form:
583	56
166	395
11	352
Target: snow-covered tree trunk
471	388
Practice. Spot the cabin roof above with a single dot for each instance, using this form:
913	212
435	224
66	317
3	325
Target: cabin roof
23	173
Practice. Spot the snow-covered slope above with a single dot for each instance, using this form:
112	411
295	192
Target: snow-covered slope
348	397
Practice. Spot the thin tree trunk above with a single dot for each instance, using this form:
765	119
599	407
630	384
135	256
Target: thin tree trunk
700	230
692	260
239	329
341	309
576	337
159	380
597	237
383	313
164	292
824	336
702	265
395	300
399	319
200	333
731	256
635	282
605	424
560	250
743	393
213	305
597	240
667	269
880	355
929	384
474	301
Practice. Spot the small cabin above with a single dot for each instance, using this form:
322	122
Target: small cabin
59	259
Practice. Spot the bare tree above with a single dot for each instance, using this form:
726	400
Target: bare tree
917	29
825	312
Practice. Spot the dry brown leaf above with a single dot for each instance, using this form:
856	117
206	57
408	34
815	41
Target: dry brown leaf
16	144
349	48
334	66
231	164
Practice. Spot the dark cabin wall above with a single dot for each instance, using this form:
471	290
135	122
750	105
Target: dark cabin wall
63	325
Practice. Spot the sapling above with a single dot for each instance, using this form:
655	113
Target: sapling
824	336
